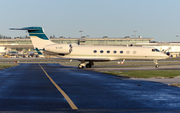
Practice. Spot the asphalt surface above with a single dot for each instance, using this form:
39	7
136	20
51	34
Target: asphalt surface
29	88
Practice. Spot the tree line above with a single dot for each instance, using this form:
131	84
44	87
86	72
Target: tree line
4	37
24	37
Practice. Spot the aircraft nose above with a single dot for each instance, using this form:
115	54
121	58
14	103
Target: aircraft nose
164	56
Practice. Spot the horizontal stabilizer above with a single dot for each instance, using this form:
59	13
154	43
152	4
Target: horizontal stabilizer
27	28
37	35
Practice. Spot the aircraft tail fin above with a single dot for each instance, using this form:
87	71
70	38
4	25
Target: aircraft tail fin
37	35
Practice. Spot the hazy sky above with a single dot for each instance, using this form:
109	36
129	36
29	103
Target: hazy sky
158	19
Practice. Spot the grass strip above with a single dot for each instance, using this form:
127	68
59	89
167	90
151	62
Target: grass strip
175	84
146	73
7	65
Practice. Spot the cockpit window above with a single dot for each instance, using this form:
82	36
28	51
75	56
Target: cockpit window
155	50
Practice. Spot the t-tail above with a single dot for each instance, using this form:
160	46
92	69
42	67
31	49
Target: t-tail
38	37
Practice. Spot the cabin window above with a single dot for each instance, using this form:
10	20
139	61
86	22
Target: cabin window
114	51
101	51
127	52
121	52
108	51
155	50
134	52
95	51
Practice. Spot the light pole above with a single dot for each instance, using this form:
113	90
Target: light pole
177	42
177	37
81	32
135	33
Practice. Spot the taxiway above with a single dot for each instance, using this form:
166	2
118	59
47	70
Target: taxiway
47	87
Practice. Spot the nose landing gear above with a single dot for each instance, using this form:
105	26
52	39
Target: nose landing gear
156	63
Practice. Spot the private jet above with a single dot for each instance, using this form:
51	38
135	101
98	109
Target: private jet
90	54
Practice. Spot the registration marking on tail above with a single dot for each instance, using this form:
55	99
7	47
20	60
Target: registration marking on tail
73	106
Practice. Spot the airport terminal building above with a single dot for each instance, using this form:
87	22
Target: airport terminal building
26	44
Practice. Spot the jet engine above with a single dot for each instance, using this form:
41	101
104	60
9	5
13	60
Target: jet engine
61	49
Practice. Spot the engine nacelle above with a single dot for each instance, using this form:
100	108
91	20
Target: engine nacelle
61	49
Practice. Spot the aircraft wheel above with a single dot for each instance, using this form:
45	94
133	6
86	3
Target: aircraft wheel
88	65
80	66
157	66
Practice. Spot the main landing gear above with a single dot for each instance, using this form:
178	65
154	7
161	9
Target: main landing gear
91	63
88	65
156	63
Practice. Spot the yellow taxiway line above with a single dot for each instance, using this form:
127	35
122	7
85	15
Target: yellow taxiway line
73	106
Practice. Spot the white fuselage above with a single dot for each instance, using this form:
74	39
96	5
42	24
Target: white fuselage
101	53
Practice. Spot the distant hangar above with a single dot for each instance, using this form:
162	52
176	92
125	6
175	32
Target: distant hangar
26	44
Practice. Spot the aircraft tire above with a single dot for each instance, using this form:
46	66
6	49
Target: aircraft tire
157	66
88	65
80	66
